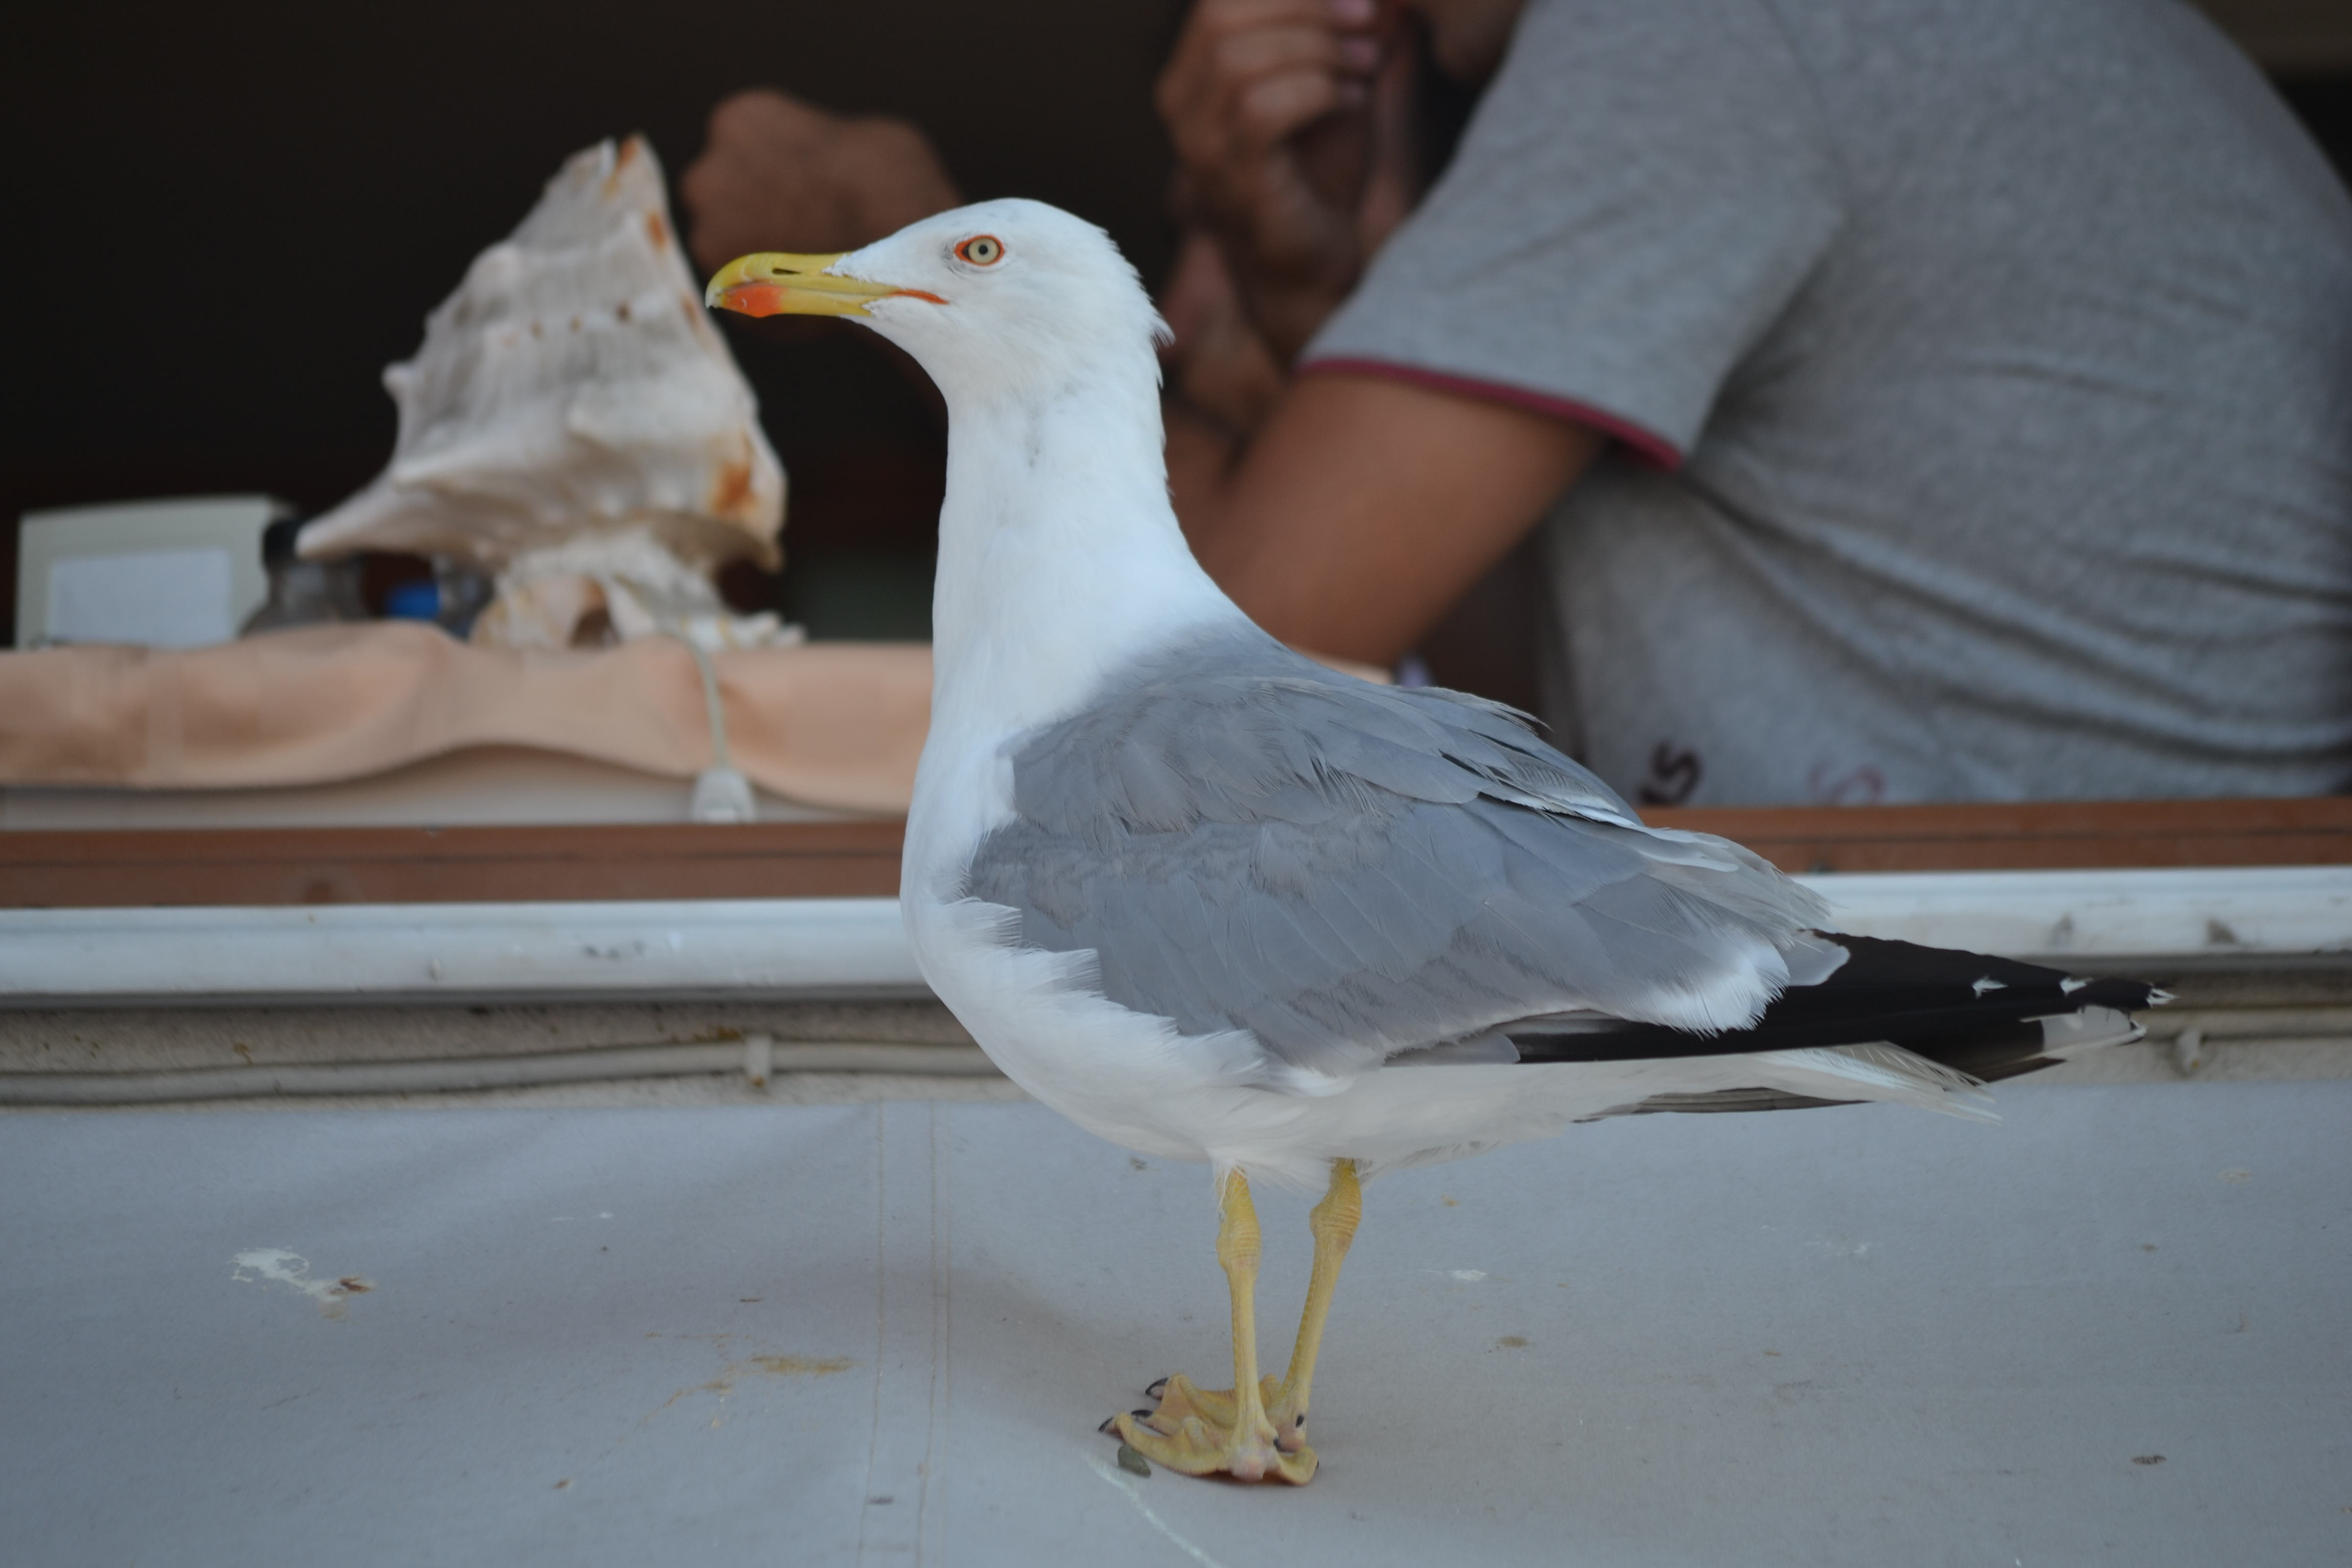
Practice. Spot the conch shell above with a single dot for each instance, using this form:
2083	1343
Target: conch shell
573	414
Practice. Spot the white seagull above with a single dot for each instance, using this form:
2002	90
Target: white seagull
1216	902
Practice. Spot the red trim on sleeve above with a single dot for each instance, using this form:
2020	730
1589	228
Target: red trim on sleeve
1648	445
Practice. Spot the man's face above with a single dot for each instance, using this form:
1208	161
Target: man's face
1468	36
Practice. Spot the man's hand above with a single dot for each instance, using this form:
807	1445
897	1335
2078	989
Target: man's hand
777	174
1288	131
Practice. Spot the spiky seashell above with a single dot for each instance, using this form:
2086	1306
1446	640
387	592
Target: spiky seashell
573	386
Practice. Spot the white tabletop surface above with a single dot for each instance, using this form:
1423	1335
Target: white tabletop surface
885	1334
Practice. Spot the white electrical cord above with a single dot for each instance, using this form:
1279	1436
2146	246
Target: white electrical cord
757	1056
722	793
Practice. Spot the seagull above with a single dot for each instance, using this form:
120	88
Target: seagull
1215	902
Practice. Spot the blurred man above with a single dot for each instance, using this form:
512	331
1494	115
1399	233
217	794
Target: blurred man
1916	399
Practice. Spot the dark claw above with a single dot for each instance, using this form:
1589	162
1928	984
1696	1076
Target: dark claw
1299	1420
1109	1425
1139	1415
1157	1390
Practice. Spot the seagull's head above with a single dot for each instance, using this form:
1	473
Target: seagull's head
1004	296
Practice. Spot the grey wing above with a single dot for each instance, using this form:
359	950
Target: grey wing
1246	840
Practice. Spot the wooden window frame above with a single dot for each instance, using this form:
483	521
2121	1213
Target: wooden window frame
114	869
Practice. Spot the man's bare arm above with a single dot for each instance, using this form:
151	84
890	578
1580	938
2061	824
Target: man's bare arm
1364	507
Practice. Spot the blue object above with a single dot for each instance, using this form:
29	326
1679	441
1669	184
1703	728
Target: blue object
419	601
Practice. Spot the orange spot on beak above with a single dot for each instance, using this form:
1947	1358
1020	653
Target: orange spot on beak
754	299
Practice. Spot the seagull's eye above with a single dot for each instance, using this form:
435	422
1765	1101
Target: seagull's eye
981	250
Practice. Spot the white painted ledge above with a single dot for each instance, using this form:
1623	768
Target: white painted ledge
2218	913
731	948
851	948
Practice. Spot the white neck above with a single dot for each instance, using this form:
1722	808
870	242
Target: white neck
1060	558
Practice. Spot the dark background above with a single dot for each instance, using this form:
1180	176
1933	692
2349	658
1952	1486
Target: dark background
221	227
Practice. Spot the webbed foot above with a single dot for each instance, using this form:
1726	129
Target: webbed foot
1201	1431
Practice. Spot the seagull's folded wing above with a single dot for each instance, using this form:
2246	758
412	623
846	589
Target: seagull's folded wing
1246	840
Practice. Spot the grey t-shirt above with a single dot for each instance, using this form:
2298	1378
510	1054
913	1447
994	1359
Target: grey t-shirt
1983	376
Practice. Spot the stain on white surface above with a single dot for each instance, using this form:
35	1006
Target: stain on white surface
277	1266
736	1371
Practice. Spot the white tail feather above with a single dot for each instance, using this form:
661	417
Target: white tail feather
1879	1070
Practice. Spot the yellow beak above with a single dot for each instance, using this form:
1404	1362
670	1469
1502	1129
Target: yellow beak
775	283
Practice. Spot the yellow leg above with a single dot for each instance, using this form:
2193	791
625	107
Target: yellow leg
1184	1433
1257	1428
1333	1225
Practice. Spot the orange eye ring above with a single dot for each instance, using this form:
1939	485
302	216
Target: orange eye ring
981	250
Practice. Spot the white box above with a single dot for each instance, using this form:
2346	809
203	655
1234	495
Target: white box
161	574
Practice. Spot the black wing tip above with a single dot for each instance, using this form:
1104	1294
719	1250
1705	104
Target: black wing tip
1970	1011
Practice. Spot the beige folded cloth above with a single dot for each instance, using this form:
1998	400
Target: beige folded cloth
829	724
